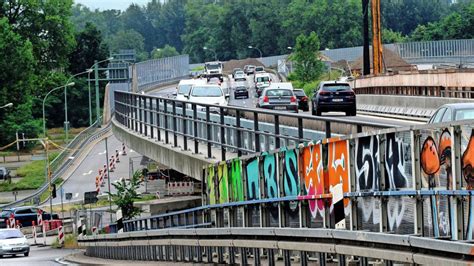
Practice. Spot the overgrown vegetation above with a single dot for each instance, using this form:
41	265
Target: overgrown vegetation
126	192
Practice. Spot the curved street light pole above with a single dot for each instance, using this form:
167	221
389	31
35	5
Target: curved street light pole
95	68
212	50
8	105
252	47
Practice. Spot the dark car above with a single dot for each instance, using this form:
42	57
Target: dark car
4	173
24	215
453	112
302	100
241	92
334	96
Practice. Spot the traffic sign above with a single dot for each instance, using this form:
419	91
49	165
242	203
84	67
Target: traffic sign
90	197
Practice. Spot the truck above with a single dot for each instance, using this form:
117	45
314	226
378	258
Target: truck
213	70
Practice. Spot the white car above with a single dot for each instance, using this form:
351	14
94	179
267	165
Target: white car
239	75
208	94
13	242
184	86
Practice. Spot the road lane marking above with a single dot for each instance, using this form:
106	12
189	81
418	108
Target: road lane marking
76	195
102	153
88	173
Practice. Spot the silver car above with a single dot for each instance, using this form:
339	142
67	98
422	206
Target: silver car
13	242
239	75
278	99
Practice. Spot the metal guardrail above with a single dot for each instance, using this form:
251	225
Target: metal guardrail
229	128
266	244
62	162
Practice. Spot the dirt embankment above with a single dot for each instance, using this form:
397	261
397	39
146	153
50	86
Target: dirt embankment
230	65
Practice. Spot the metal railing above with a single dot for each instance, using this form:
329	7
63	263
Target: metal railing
227	128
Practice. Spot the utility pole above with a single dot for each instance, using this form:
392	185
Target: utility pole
366	57
377	48
97	101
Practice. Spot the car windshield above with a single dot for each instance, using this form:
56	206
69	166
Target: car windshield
336	87
263	79
240	88
464	114
184	89
207	92
239	73
279	93
251	67
7	234
259	68
299	93
213	66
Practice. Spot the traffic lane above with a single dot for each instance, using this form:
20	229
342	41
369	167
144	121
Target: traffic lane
250	102
83	178
39	256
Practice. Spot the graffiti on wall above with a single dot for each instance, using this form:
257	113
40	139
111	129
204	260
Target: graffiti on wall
311	170
235	181
467	166
290	172
253	180
270	175
338	166
222	182
211	191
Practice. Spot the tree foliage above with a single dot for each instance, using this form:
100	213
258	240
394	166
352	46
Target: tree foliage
166	51
308	65
126	192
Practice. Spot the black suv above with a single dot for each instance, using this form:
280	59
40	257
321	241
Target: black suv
334	96
24	215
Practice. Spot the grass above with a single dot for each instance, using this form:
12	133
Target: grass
70	241
32	176
198	68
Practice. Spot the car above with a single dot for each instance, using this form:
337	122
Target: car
245	69
278	99
239	75
208	94
334	96
4	173
235	70
241	91
262	81
13	242
184	86
250	70
302	99
214	81
453	112
259	69
24	215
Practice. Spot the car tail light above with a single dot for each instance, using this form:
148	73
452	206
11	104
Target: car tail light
304	99
293	99
265	99
324	93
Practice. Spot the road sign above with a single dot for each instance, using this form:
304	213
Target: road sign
90	197
68	196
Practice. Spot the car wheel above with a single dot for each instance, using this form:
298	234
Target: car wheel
26	254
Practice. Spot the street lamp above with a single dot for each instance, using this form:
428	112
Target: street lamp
96	77
251	47
214	51
291	62
8	105
44	101
66	122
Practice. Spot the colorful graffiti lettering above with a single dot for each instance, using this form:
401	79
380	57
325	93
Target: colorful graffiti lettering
252	174
467	166
367	163
235	180
290	173
211	189
222	182
311	169
270	175
338	166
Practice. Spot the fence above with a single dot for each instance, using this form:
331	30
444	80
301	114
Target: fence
156	71
229	129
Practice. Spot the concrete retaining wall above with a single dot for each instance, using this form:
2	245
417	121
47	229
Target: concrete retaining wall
422	102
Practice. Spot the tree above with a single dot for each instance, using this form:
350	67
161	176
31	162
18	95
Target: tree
167	51
390	36
128	39
126	193
306	57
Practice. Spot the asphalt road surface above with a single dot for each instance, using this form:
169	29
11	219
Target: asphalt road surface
39	256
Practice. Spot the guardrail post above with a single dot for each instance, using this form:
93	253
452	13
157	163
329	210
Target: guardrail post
199	254
237	128
286	258
342	259
158	119
152	114
354	201
145	114
135	112
222	131
456	201
417	183
140	114
195	131
277	131
304	258
185	127
165	114
208	132
383	186
243	256
328	129
322	259
209	254
175	126
256	130
300	131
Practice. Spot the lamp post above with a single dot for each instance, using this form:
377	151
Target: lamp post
291	62
212	50
95	67
252	47
8	105
46	142
90	101
66	122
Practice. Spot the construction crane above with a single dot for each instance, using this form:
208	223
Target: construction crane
377	48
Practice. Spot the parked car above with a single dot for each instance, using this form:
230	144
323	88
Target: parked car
453	112
13	242
235	70
334	96
250	70
24	215
208	94
302	100
4	173
239	75
259	69
278	99
241	91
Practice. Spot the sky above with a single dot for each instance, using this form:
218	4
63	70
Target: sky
109	4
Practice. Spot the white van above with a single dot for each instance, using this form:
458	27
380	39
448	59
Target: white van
184	86
262	80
